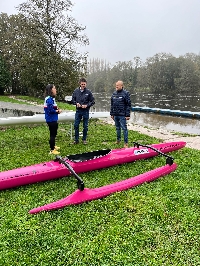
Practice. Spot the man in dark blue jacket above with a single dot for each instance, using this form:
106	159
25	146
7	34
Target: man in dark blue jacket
83	99
120	111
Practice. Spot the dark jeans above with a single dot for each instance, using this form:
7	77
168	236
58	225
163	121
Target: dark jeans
120	123
53	129
81	113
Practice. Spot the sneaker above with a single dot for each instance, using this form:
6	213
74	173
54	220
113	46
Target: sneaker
84	142
117	142
54	152
125	145
56	148
76	142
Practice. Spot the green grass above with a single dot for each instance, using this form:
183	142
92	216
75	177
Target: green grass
153	224
182	134
8	99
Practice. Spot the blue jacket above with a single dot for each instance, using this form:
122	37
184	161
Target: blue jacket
84	97
120	103
50	108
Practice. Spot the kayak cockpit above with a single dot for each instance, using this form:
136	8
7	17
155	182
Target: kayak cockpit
87	155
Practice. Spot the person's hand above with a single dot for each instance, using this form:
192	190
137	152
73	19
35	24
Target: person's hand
127	118
59	111
78	105
112	117
84	106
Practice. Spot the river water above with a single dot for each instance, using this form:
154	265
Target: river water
168	101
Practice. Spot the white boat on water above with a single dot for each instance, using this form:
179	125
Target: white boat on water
39	118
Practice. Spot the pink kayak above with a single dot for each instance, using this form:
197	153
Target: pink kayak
84	162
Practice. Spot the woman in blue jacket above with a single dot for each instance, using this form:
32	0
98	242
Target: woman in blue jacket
51	116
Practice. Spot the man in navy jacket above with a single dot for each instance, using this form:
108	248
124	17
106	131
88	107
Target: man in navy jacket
83	99
120	111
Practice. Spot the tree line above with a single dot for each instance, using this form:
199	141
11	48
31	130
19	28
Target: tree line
158	74
38	46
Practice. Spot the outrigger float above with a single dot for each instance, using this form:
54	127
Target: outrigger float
85	194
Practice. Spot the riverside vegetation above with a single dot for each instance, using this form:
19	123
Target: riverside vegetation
156	223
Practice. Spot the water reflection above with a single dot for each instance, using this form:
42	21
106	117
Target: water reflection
174	102
179	124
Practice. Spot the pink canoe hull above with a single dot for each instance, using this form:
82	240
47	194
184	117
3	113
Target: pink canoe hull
87	194
53	169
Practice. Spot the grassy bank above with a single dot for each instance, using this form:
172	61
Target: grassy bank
20	99
152	224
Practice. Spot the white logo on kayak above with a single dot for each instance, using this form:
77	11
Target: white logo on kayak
141	151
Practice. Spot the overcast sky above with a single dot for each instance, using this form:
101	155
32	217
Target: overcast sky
119	30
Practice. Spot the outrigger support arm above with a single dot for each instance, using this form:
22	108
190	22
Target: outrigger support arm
80	182
169	159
